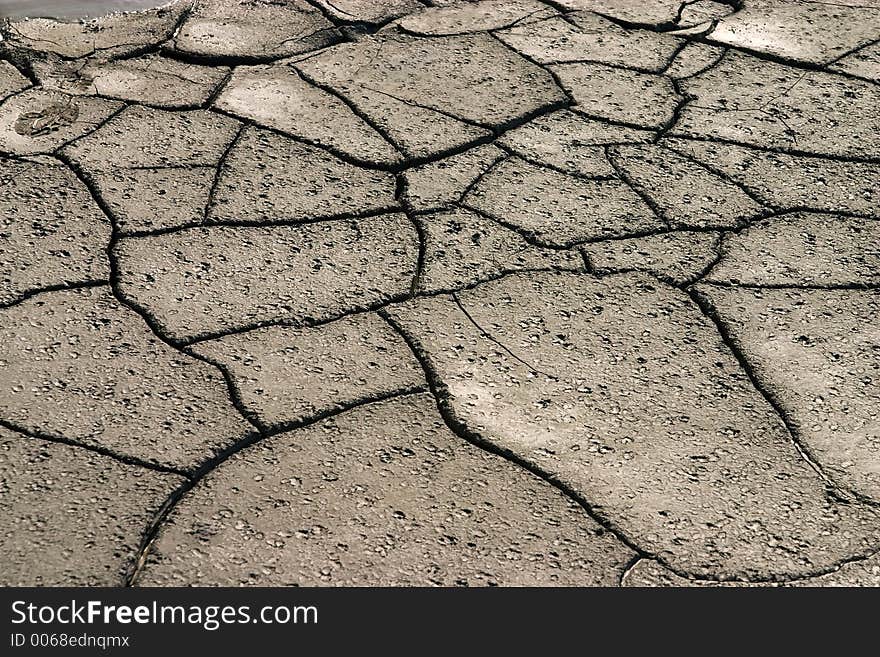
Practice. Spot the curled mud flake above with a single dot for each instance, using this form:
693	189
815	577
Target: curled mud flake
46	120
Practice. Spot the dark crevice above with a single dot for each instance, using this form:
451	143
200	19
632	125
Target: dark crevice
545	9
705	38
29	294
137	561
442	397
718	249
532	237
667	26
150	48
494	133
353	108
19	60
793	286
680	13
218	172
234	391
103	451
504	272
328	15
436	386
611	154
671	59
491	338
589	267
521	120
559	7
156	48
357	25
379	166
602	272
332	150
694	34
535	162
754	194
627	569
290	323
218	90
165	107
170	50
793	209
714	139
513	23
556	80
719	173
773	213
100	124
360	311
833	490
260	223
284	427
153	529
299	322
436	110
311	54
671	25
725	233
824	572
472	185
644	70
706	68
181	20
785	61
681	283
409	162
684	99
869	44
768	209
758	196
399	196
353	32
75	76
120	296
598	118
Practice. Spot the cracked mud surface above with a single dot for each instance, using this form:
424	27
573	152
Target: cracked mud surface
512	292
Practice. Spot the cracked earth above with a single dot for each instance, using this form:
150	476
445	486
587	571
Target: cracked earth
581	292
